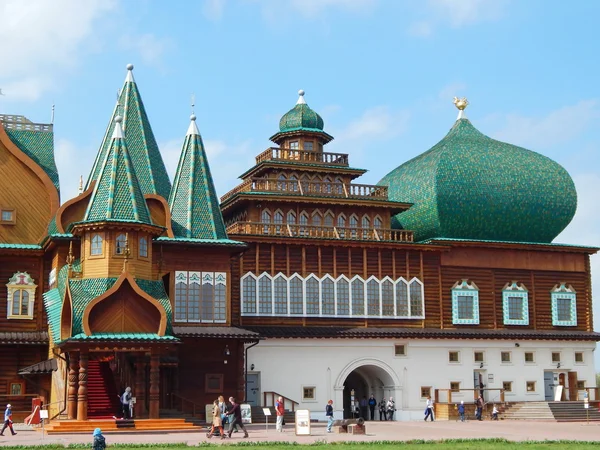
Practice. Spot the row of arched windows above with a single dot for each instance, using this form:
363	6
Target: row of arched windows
279	295
317	218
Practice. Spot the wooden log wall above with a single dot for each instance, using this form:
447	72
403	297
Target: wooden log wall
428	266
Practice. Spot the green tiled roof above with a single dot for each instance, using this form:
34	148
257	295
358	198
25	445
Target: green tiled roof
117	195
84	290
20	246
123	337
145	155
229	242
39	146
488	241
301	117
469	186
195	211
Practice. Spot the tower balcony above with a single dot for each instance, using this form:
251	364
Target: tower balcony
303	156
319	232
310	189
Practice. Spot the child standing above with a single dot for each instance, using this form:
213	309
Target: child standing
99	441
8	420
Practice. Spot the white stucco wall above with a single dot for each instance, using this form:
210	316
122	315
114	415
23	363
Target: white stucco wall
287	365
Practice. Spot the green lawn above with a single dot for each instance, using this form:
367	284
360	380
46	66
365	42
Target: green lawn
452	444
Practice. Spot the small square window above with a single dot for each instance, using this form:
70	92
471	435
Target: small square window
505	357
507	386
425	391
400	350
16	389
7	216
308	393
529	357
294	145
531	386
580	384
578	357
308	145
453	357
478	356
455	386
555	357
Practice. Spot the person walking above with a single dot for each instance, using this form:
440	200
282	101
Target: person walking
429	409
391	408
126	403
372	405
329	415
461	411
279	411
217	422
382	410
236	418
8	422
479	404
99	441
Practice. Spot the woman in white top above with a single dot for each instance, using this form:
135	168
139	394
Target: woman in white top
391	408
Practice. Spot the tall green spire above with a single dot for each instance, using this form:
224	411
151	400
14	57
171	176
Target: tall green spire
141	143
195	211
117	195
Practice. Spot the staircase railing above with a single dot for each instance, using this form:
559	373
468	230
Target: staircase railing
186	406
270	398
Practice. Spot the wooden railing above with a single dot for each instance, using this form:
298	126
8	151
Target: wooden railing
186	406
269	399
492	395
310	188
306	156
592	393
320	232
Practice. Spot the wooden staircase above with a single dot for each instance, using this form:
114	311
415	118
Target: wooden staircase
103	399
87	426
528	411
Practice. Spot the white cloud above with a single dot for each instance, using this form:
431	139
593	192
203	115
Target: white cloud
41	40
456	14
556	128
213	9
376	123
150	47
276	11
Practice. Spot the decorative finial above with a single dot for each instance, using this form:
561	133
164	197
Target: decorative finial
118	130
193	117
52	116
301	100
119	119
461	104
193	103
129	76
126	252
129	66
80	184
70	258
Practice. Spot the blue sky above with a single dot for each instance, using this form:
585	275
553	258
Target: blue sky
381	73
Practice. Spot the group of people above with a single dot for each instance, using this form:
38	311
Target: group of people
479	405
222	414
386	409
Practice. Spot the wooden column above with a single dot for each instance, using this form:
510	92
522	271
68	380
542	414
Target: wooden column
82	393
140	385
154	384
73	384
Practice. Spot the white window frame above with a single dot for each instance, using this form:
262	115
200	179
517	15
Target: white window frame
560	292
464	288
199	279
20	283
510	290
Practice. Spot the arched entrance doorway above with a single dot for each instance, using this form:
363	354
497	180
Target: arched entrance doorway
366	377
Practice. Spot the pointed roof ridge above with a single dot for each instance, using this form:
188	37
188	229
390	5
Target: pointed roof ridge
142	145
117	195
195	211
301	100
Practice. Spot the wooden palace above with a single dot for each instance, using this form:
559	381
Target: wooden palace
441	280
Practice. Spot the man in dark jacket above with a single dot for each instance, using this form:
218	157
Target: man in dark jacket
372	405
236	419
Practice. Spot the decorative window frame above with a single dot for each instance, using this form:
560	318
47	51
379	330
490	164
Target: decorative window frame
515	289
254	310
199	279
464	288
118	250
20	282
100	235
13	219
562	291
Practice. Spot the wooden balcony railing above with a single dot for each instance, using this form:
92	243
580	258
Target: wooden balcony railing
319	232
492	395
269	399
305	156
310	188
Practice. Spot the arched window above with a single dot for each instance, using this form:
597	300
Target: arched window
317	219
387	297
293	183
401	298
343	297
278	221
312	296
377	223
208	295
373	298
358	298
96	248
266	218
265	295
366	224
317	184
327	186
143	247
20	296
282	183
341	224
338	188
328	222
281	295
354	225
296	296
305	182
303	223
249	295
291	217
120	244
416	298
328	299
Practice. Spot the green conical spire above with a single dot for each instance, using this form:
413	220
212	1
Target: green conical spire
146	158
117	195
195	211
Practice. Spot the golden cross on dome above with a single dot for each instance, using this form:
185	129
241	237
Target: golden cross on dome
461	103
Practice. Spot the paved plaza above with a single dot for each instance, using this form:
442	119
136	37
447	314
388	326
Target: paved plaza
376	431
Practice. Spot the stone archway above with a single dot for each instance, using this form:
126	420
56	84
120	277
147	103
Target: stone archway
366	376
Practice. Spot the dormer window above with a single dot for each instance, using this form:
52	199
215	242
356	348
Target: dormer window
120	244
7	216
96	248
143	247
308	145
21	296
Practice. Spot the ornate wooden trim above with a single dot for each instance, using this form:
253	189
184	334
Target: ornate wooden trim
59	225
165	205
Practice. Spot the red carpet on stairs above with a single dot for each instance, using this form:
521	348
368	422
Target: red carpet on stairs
103	399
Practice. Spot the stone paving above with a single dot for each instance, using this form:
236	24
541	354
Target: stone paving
393	431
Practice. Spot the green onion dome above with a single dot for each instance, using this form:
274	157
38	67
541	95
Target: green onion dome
300	117
469	186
